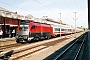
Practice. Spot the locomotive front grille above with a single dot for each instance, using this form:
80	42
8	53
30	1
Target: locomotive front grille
20	36
23	37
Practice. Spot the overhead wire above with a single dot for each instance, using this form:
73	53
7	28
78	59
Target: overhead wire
66	6
40	4
16	7
80	19
78	9
26	10
12	5
52	10
45	6
76	5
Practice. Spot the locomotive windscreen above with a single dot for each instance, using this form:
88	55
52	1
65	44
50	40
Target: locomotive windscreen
24	28
24	25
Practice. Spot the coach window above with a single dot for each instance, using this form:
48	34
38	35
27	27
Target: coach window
69	29
57	29
62	29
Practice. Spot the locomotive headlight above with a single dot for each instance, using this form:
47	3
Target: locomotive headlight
25	37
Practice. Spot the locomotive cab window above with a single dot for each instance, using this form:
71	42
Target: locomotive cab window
24	27
33	27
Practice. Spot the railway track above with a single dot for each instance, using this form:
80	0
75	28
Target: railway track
11	46
8	47
20	53
72	51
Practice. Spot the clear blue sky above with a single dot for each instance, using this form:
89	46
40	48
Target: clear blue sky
51	8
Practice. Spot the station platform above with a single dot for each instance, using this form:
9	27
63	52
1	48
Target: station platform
7	41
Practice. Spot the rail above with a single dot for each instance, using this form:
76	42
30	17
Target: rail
71	51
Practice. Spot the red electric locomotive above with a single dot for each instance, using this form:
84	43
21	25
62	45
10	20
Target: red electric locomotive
30	31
